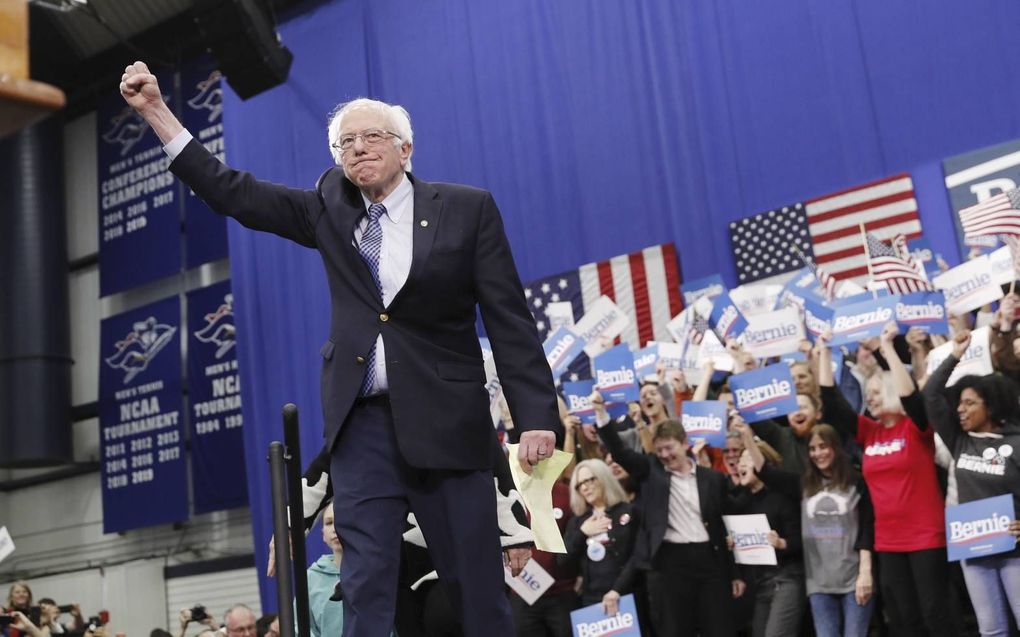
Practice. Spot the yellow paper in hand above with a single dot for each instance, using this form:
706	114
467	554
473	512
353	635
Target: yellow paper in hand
536	490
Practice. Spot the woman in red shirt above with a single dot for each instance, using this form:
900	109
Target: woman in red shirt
899	469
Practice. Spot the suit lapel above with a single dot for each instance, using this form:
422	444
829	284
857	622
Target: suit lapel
704	498
345	207
428	208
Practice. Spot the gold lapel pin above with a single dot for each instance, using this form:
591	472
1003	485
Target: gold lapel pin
424	223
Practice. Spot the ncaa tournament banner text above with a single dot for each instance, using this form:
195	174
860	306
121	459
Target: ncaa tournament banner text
763	393
980	528
139	218
214	396
201	112
144	480
592	621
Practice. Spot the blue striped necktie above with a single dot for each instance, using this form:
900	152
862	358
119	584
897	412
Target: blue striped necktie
370	247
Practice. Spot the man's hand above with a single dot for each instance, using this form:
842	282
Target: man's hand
516	559
535	445
140	89
738	587
611	603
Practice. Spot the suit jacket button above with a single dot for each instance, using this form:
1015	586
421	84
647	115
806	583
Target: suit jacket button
360	360
384	317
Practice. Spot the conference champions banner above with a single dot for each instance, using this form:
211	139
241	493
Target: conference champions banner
214	402
979	175
201	113
139	215
980	528
144	477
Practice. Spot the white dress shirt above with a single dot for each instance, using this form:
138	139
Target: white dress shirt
394	257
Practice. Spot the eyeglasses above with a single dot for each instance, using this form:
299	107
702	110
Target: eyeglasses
584	482
371	137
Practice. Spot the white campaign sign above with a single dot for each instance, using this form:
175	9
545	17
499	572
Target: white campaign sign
6	543
559	313
1002	266
775	333
969	286
712	348
750	543
755	299
848	288
976	360
530	583
600	325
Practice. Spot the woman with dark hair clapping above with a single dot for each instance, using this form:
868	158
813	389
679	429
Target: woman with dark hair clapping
977	419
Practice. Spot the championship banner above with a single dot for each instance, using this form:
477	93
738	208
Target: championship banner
214	397
600	325
1001	262
705	420
139	219
981	527
817	319
750	539
561	348
969	286
709	287
726	320
201	113
646	359
921	251
774	333
576	394
530	583
860	320
977	359
924	310
144	476
614	375
591	621
764	393
979	175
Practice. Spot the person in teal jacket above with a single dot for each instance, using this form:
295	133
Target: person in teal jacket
327	616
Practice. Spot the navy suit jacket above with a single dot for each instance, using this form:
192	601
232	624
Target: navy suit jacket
461	258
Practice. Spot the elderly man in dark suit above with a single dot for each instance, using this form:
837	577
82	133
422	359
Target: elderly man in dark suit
406	412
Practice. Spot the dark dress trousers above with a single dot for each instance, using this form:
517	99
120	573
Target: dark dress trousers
425	447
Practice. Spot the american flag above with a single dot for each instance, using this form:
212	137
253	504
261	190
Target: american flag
997	215
645	285
826	228
889	266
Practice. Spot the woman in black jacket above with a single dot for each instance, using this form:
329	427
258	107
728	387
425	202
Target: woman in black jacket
600	537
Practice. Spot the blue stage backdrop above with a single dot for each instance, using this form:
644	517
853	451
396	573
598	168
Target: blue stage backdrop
604	127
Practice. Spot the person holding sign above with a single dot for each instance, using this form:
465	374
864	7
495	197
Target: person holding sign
600	537
779	589
681	544
899	469
977	418
406	415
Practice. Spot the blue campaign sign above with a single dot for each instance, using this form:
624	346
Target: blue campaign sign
645	361
763	393
854	322
920	249
726	320
561	348
592	621
710	286
139	215
144	477
705	420
817	318
214	396
614	375
980	528
201	112
576	394
924	310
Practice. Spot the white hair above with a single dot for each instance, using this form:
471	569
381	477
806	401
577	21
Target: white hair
891	403
397	116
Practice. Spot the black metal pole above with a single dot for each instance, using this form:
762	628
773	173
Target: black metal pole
292	439
283	565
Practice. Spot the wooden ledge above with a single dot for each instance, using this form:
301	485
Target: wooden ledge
23	102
